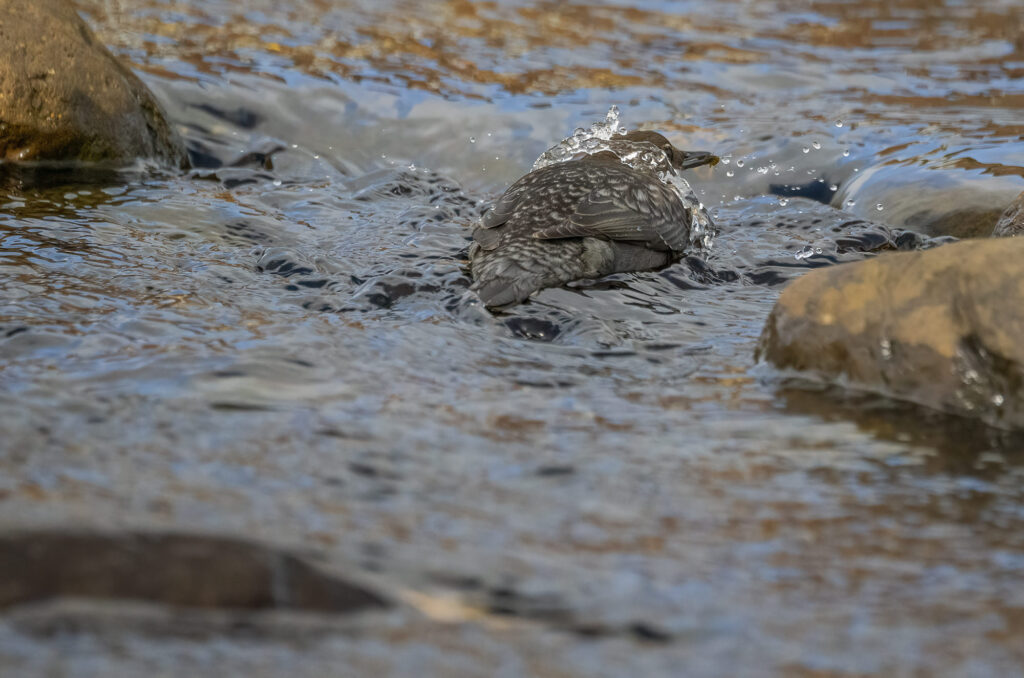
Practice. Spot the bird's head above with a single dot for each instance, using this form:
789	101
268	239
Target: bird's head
680	159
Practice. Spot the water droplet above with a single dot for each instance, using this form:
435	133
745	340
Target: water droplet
839	123
730	173
846	153
472	140
804	253
277	182
726	160
997	399
816	145
316	156
739	163
833	188
805	149
849	203
879	207
886	346
783	202
497	157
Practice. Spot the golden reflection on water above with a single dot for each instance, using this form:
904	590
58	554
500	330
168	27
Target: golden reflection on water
552	47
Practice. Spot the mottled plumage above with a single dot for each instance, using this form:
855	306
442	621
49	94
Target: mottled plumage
578	219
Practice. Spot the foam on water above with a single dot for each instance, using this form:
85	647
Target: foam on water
641	156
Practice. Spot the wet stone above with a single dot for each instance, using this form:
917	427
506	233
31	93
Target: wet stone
65	97
173	571
937	203
940	328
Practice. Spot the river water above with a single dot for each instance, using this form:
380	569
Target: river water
280	345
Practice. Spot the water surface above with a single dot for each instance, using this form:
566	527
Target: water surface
280	345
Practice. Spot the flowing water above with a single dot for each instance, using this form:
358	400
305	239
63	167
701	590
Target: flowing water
281	346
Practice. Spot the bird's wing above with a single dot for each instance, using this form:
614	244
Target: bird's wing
487	233
506	205
636	211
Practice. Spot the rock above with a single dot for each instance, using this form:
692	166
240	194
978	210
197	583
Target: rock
939	327
1011	223
65	97
177	570
930	200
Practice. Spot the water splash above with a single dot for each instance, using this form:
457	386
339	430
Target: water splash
641	156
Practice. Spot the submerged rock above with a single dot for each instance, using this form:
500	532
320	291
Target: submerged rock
939	327
934	201
186	579
65	97
1011	223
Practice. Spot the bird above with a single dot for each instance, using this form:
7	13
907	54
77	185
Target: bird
585	218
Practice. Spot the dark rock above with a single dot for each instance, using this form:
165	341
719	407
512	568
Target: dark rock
1011	223
65	97
177	570
940	327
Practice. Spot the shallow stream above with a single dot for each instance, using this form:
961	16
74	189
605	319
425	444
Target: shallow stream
280	344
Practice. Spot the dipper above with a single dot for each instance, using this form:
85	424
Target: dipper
583	218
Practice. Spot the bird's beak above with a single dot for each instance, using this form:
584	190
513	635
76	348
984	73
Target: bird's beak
691	159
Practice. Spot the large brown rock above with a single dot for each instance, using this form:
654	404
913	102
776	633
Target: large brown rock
940	327
64	97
